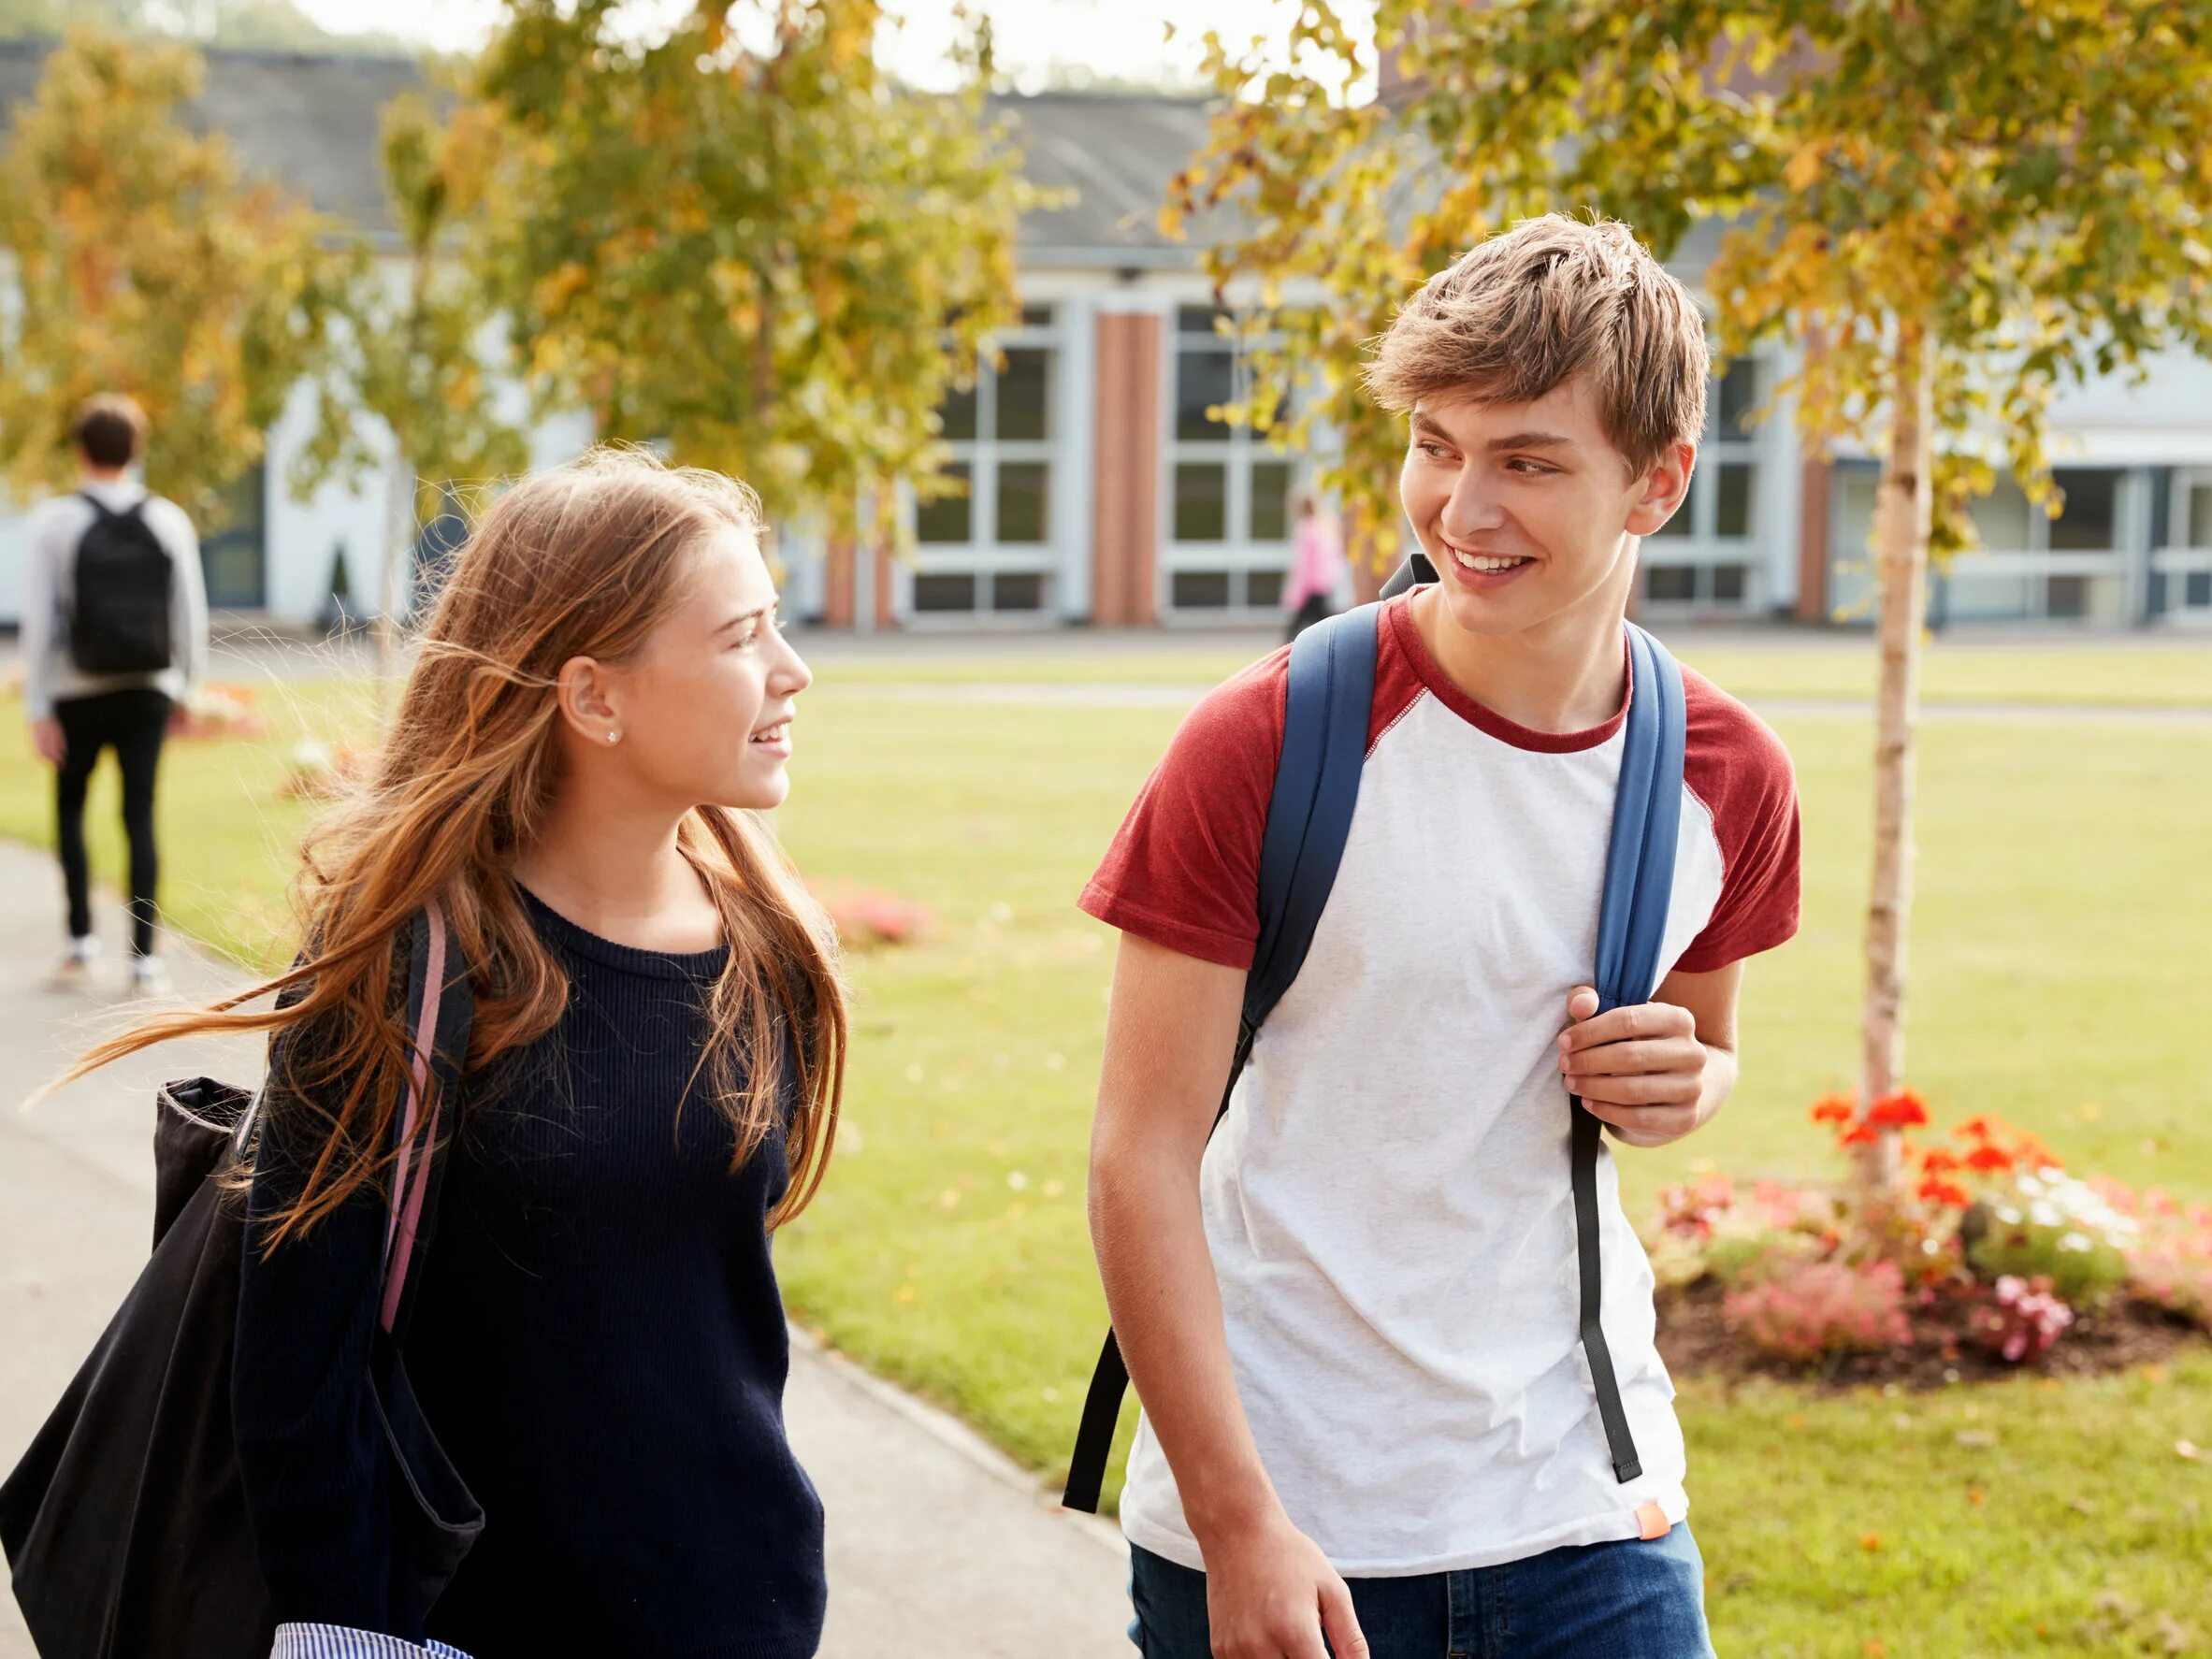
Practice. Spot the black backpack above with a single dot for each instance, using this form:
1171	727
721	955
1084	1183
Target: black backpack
119	613
125	1524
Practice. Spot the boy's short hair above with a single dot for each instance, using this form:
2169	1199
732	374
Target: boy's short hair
110	429
1514	316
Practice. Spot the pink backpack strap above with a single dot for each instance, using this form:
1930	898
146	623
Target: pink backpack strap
411	1174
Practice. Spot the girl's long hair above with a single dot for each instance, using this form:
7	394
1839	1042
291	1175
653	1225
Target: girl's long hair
582	560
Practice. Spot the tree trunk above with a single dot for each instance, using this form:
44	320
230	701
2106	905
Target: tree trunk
1902	523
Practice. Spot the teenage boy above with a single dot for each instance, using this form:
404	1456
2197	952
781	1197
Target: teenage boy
115	636
1353	1316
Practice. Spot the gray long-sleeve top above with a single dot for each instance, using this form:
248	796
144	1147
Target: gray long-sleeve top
49	676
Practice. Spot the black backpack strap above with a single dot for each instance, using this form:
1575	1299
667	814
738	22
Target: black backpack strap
1415	571
135	509
1632	926
1327	705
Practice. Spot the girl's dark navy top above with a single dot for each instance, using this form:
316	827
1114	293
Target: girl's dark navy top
598	1342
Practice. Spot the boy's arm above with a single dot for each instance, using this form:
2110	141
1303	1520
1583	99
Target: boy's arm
1171	1033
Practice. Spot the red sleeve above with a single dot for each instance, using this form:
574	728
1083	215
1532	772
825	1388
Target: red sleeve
1735	764
1184	870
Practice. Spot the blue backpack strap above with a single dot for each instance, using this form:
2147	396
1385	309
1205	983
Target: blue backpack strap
1632	926
1326	707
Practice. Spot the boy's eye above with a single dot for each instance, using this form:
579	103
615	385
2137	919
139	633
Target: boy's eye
1435	451
1528	467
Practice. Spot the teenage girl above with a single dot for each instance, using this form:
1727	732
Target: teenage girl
602	700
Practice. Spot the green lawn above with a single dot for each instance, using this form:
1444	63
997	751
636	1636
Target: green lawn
2065	905
2154	671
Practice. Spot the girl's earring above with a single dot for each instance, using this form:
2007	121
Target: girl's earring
613	737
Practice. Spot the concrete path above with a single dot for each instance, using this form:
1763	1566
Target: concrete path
939	1547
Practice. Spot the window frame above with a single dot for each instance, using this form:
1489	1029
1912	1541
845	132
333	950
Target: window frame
983	555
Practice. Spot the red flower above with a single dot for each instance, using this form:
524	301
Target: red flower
1937	1190
1980	1128
1898	1111
1858	1134
1990	1160
1938	1160
1833	1108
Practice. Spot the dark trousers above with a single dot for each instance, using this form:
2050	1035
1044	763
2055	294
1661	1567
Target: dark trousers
132	724
1316	609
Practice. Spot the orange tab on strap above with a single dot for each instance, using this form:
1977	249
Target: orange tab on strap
1654	1522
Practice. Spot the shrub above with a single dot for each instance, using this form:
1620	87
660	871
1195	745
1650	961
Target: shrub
2170	1264
2022	1318
2048	1225
1822	1309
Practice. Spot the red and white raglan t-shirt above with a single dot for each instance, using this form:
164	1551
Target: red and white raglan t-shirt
1387	1202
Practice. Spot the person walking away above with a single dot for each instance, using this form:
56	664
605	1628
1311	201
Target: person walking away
1316	567
1352	1318
601	702
114	639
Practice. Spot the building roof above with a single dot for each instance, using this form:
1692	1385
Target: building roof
309	121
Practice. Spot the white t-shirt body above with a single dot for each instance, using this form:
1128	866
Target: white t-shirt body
1388	1203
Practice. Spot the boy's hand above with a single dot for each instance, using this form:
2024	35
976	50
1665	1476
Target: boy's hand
1641	1069
45	738
1271	1593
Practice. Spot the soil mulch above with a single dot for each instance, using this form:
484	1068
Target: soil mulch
1695	1341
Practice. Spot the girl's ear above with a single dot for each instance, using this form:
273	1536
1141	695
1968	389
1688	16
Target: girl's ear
587	698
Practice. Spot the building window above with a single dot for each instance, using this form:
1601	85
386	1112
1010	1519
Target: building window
1704	555
233	560
2029	565
1229	508
990	549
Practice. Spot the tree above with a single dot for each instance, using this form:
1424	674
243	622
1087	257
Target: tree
143	262
417	352
745	242
1958	206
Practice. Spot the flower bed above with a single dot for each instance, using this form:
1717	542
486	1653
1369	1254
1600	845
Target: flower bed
223	711
867	919
1993	1259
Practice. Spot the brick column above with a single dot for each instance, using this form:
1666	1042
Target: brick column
1812	540
839	600
886	617
1125	491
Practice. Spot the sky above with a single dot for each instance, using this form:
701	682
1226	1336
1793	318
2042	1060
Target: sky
1110	38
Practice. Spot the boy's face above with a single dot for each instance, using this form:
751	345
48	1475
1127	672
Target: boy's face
1526	510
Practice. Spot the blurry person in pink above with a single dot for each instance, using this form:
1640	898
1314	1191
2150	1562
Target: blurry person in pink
1317	565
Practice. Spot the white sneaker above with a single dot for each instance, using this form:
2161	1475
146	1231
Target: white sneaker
74	971
149	978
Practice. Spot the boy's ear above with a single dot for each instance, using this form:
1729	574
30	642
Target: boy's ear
1662	491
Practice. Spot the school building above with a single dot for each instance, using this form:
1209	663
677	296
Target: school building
1102	494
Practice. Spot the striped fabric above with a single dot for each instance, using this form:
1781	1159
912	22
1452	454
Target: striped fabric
334	1642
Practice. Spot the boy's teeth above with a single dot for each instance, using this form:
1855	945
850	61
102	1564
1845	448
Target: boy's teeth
1473	563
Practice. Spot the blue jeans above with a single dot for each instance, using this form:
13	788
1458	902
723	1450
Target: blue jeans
1630	1600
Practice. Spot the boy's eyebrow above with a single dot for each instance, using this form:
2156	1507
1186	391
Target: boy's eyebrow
1431	428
